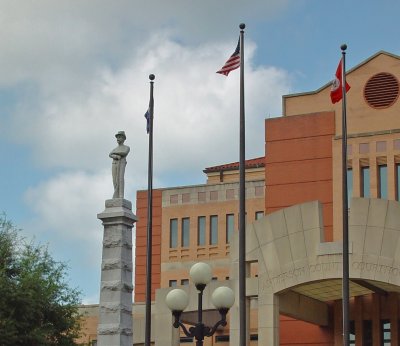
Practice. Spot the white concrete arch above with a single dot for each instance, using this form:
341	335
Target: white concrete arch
298	272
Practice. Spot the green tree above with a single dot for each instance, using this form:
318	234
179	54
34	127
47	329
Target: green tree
37	307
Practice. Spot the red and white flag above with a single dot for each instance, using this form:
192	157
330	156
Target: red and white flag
336	89
232	63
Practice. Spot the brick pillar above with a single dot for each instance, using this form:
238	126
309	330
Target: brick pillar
115	308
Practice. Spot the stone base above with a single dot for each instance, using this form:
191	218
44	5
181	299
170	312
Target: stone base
115	308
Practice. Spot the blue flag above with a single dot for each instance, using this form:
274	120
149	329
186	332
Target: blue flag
147	116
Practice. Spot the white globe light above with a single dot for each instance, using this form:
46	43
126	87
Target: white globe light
200	273
177	300
223	298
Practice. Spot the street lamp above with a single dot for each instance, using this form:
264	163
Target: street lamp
222	298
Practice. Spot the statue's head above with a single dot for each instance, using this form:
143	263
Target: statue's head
120	136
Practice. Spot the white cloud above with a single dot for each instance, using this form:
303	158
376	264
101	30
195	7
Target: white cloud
196	111
68	204
55	43
84	67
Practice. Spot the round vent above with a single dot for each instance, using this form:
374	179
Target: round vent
381	90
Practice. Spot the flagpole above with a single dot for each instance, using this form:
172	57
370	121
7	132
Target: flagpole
242	202
147	340
345	284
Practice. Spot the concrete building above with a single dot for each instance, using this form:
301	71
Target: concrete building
294	251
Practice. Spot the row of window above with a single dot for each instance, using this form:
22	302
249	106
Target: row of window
185	282
365	182
380	147
213	195
218	338
201	230
386	335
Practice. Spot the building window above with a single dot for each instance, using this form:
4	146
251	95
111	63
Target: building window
229	226
349	149
380	146
201	230
352	333
185	232
367	333
213	195
382	180
349	186
259	191
201	196
386	334
230	194
397	181
214	278
365	182
186	339
173	233
221	338
172	283
185	197
173	199
184	282
364	148
213	230
259	215
396	144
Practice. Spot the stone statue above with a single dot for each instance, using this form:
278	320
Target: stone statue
119	155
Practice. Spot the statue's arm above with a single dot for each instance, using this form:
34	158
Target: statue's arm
125	152
115	156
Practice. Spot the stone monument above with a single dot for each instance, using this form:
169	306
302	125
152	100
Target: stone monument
115	308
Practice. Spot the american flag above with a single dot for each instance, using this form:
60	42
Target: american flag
233	62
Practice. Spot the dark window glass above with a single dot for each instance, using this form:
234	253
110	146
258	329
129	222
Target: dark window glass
382	178
367	333
365	182
259	215
397	181
213	230
221	338
172	283
186	339
229	226
386	333
173	233
352	333
201	230
185	231
349	186
185	282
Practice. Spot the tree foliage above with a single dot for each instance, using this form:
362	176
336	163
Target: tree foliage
37	307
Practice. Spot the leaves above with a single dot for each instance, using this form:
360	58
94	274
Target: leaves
37	307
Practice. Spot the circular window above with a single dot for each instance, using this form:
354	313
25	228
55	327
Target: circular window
381	90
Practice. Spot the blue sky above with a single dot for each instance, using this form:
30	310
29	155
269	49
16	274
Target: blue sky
73	73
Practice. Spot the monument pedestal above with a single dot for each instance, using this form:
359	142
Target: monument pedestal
115	308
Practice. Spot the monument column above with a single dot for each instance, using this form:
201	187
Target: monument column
115	308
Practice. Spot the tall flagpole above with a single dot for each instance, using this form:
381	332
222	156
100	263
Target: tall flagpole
242	203
345	284
149	254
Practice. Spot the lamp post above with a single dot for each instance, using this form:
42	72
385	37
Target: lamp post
222	298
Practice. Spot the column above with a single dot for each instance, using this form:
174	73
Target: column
115	308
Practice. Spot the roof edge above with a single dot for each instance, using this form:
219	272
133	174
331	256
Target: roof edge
347	72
